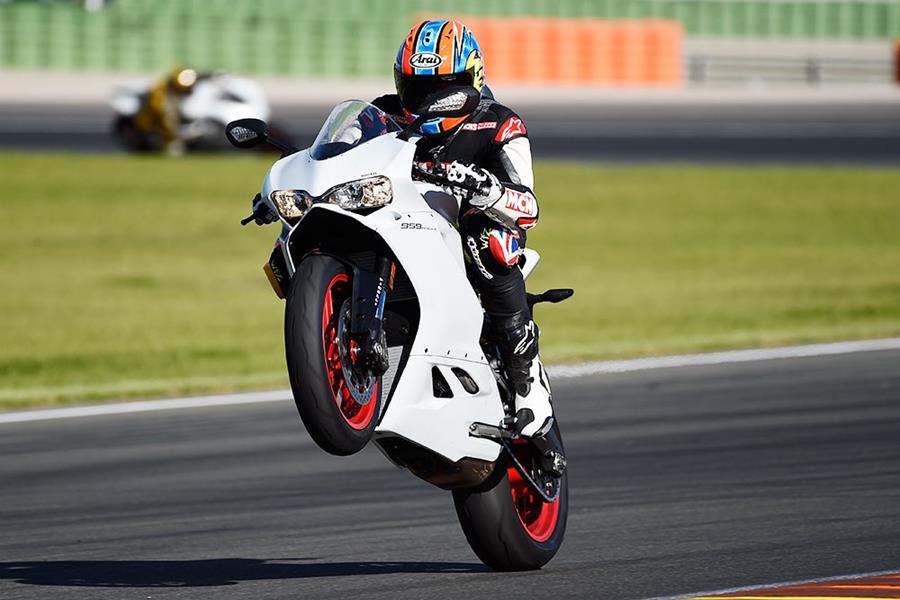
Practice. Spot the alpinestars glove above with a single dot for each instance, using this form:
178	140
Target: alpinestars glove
481	188
262	211
512	208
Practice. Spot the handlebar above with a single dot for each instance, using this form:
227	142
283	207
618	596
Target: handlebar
253	215
442	181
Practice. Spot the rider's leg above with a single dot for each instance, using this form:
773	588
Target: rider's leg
492	253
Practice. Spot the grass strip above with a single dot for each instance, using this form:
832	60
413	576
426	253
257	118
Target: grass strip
129	276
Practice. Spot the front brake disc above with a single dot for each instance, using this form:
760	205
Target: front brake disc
359	381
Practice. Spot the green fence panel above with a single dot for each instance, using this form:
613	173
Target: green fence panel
359	37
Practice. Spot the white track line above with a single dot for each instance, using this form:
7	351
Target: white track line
767	586
719	358
144	406
562	371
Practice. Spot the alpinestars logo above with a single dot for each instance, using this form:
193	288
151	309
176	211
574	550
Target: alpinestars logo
526	341
511	128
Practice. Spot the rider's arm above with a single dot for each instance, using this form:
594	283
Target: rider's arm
511	164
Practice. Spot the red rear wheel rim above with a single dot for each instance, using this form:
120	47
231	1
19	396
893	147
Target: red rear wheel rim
539	518
357	416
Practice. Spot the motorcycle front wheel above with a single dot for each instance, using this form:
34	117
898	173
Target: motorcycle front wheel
319	360
508	525
127	134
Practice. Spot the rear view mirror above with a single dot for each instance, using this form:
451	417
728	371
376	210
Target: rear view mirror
247	133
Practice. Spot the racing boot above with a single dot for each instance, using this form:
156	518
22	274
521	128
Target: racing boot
517	339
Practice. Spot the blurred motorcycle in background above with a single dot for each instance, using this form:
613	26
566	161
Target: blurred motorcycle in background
201	107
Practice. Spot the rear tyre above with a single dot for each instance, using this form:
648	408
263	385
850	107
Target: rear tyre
507	524
317	299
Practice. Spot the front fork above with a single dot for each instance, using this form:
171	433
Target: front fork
367	313
369	343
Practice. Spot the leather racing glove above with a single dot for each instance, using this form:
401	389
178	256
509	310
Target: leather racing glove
510	205
482	188
262	211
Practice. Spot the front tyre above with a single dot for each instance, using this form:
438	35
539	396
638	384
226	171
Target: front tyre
127	134
508	525
318	357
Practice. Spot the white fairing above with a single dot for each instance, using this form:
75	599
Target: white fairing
126	99
226	98
430	251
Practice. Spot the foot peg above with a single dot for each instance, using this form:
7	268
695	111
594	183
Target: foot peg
510	428
490	432
550	458
552	296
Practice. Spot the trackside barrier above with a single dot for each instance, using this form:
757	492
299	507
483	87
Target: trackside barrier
897	62
597	52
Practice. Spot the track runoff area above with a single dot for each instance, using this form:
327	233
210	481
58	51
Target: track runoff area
843	584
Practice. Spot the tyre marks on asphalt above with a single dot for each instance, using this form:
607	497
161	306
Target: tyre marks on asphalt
868	587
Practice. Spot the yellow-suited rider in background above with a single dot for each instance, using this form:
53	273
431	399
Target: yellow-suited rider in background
161	110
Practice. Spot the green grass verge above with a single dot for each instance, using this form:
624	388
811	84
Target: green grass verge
126	276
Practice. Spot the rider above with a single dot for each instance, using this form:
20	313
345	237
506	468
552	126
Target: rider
160	112
488	149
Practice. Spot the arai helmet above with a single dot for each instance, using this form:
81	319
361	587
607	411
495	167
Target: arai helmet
437	55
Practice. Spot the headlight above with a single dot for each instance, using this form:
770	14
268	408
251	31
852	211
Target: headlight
290	204
372	192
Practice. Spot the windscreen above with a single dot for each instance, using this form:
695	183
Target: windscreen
350	124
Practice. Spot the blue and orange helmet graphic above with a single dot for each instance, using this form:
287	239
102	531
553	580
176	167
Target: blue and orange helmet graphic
437	54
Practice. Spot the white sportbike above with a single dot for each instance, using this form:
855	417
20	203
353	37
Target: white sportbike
384	333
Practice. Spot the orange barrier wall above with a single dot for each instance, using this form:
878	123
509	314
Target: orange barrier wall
897	62
598	52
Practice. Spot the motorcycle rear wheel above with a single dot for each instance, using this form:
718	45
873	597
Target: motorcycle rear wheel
335	421
507	524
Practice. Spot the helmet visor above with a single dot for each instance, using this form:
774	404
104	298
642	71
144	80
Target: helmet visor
414	89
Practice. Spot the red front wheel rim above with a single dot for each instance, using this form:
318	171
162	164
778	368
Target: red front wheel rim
357	416
539	518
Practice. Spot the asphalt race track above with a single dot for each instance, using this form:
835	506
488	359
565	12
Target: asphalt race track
682	480
754	133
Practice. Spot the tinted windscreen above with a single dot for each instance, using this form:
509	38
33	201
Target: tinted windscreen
350	124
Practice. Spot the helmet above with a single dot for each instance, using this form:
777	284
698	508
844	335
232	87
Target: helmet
182	79
434	56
